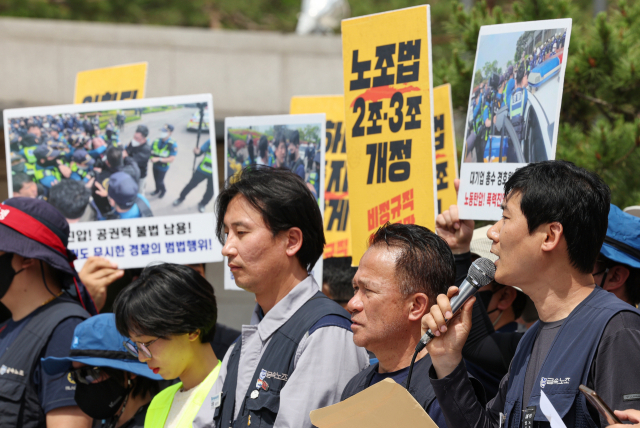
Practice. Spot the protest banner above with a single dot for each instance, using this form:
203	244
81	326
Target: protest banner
514	109
294	142
337	226
93	171
119	83
389	118
445	146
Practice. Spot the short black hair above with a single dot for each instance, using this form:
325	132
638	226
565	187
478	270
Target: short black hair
559	191
425	264
114	156
338	274
294	137
167	300
70	197
18	179
284	201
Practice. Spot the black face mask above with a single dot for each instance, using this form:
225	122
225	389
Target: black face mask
485	297
6	273
292	156
100	400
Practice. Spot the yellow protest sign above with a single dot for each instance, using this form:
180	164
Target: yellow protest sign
122	82
337	227
445	145
389	118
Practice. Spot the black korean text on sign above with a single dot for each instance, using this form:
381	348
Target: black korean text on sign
389	160
337	184
400	115
111	96
441	166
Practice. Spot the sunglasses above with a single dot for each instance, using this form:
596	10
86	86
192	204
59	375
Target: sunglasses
88	375
134	348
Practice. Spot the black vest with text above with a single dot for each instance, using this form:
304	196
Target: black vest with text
261	404
19	403
566	366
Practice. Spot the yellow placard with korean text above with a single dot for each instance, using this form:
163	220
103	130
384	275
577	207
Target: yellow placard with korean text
445	146
389	121
337	226
122	82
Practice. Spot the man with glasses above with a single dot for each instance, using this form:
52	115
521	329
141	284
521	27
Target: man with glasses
617	268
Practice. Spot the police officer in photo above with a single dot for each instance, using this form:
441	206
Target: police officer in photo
203	172
49	169
518	104
298	353
41	289
140	150
125	199
553	226
163	151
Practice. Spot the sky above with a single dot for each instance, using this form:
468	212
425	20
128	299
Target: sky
499	47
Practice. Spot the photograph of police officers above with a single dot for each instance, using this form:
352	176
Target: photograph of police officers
294	147
514	100
128	163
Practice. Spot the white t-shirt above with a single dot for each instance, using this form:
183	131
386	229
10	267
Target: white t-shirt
180	399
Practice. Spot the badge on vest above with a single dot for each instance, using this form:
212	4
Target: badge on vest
544	381
254	394
4	369
262	384
263	373
527	416
215	401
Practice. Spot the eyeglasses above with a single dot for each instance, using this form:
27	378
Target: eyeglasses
144	347
89	375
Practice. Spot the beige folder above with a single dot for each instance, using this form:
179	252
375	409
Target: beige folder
383	405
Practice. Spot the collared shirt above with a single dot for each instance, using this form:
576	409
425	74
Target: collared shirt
324	363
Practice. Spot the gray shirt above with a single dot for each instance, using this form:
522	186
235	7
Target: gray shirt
546	335
325	361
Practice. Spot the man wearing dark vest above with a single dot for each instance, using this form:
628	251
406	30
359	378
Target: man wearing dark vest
41	289
298	353
398	279
554	223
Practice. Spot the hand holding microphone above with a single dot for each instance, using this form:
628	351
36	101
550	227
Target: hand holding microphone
445	332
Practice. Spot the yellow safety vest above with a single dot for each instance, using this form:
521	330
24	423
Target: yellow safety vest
161	404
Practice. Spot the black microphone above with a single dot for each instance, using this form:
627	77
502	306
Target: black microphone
480	274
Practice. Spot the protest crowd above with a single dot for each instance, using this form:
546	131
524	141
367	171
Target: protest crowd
554	289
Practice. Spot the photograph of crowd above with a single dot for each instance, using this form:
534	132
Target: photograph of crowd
292	146
514	104
115	164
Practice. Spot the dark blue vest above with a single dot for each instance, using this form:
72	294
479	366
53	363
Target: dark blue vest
262	399
567	365
19	403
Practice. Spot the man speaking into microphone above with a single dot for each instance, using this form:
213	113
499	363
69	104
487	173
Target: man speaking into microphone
553	225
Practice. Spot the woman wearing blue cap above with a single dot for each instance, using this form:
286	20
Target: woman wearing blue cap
111	386
170	313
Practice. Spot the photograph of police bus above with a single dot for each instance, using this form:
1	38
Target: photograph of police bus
115	164
295	147
514	102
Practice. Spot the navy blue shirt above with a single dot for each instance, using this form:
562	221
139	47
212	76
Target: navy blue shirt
400	376
54	391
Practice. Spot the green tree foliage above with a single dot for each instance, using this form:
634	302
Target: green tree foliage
600	115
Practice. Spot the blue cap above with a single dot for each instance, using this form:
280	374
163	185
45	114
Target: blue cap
622	243
123	189
167	128
96	342
81	155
